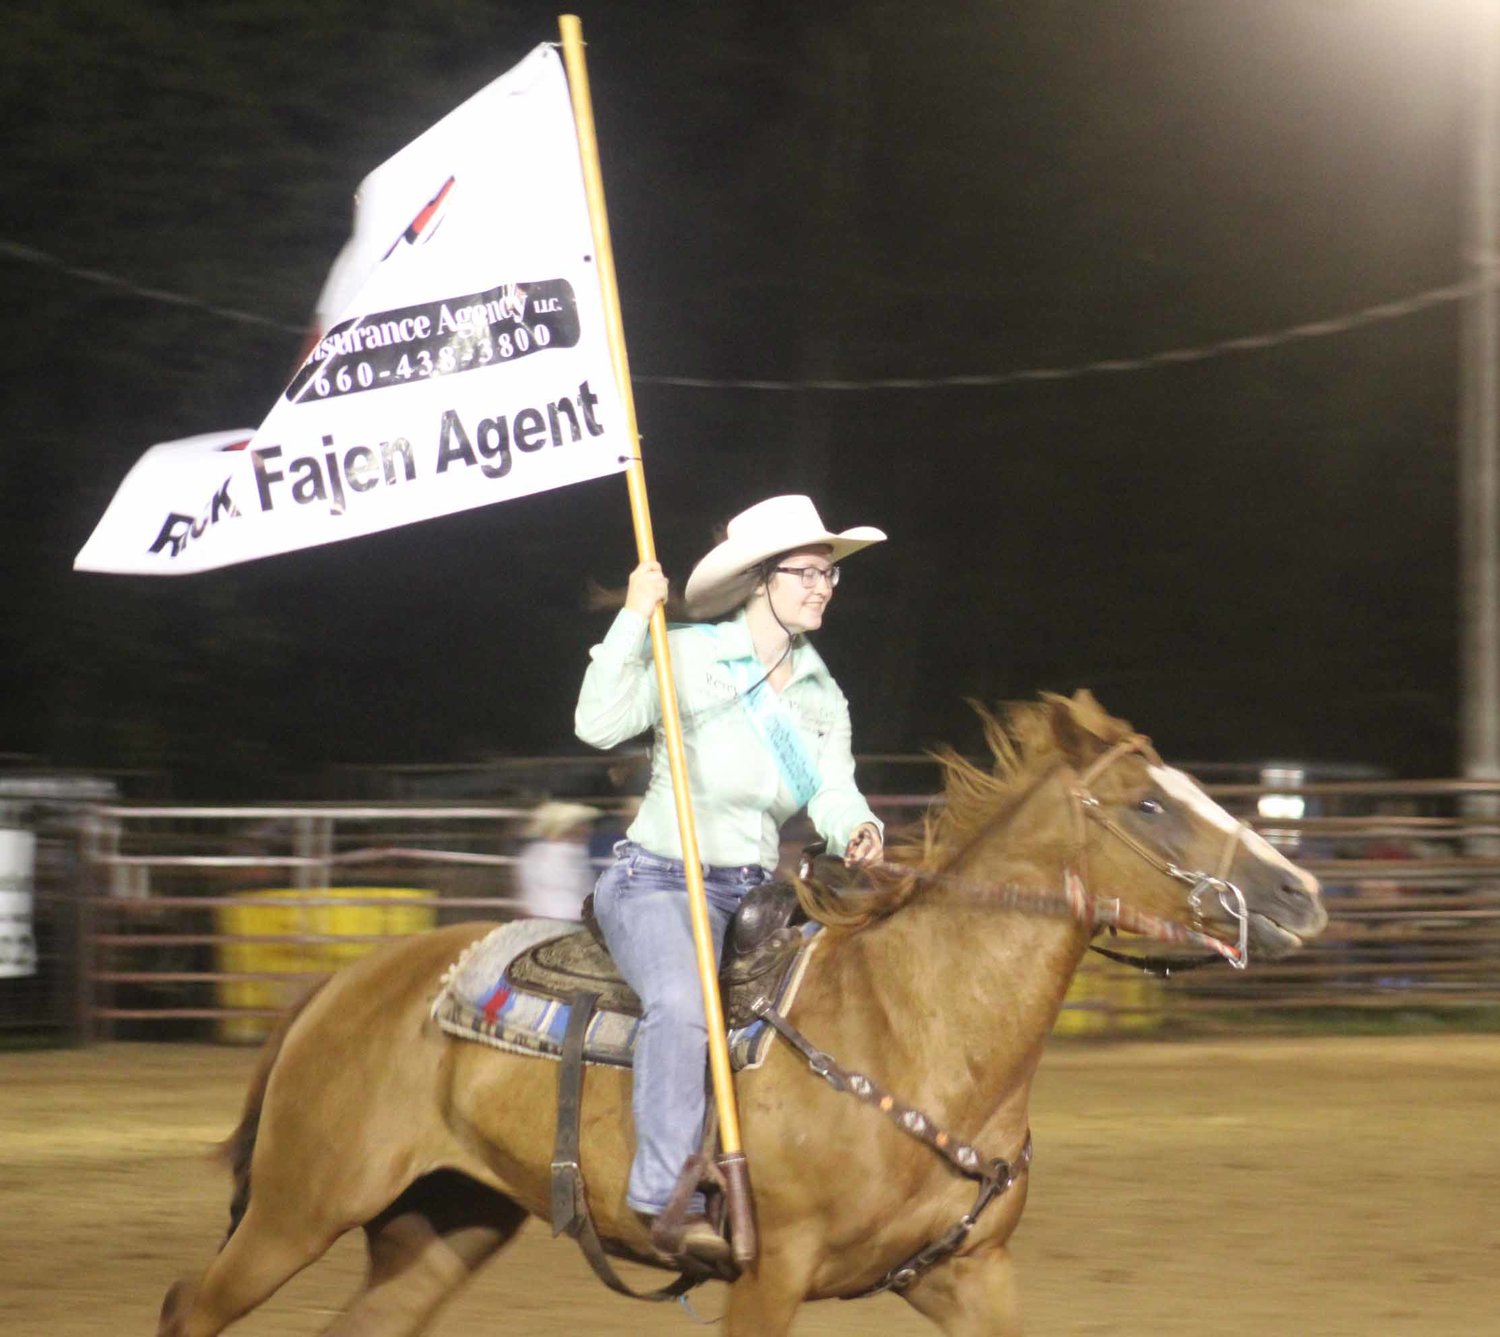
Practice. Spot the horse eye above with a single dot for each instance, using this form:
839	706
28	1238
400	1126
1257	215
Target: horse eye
1151	806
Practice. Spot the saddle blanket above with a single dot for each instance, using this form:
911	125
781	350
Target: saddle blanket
477	1001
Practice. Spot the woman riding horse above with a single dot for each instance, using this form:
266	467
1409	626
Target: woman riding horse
767	733
364	1115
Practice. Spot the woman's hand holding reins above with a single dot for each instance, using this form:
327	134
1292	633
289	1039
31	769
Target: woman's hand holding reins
866	846
647	589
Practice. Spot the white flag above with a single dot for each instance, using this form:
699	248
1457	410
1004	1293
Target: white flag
464	363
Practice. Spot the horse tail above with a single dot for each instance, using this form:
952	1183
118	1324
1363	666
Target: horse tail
239	1147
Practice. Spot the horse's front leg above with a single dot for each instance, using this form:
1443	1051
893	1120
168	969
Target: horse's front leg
763	1302
971	1296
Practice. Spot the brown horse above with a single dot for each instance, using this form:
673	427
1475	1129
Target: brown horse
363	1114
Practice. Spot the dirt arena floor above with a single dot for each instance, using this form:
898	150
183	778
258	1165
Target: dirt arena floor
1289	1186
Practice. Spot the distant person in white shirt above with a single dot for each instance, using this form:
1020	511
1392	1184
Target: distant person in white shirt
553	874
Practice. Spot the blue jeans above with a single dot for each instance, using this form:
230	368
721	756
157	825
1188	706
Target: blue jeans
641	904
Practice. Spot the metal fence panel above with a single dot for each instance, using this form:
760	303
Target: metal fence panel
1410	870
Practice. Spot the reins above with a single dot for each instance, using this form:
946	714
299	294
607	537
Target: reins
1093	912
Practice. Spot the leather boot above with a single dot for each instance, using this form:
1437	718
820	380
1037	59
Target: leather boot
698	1240
701	1240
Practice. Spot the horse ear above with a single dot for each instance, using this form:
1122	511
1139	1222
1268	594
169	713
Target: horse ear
1082	727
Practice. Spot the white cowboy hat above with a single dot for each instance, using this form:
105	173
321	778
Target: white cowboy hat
725	578
553	819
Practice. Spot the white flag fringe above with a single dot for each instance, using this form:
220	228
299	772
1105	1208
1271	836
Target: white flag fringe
462	358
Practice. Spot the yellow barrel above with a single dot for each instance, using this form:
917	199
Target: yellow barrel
1109	999
341	932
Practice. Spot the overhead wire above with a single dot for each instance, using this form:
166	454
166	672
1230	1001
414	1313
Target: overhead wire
30	255
1378	313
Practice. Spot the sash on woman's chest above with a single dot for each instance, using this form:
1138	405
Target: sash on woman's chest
777	730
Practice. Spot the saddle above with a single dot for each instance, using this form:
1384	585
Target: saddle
758	944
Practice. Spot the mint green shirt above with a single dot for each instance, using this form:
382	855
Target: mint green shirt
740	798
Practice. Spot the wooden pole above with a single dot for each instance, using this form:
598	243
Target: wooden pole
635	478
1479	436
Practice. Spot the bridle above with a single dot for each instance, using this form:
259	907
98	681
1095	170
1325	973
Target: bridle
1096	913
1202	885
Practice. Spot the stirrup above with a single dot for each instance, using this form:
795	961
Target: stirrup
699	1171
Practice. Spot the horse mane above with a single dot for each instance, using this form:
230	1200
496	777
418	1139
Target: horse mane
1023	743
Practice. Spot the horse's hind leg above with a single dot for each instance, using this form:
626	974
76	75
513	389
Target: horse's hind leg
970	1296
422	1249
254	1262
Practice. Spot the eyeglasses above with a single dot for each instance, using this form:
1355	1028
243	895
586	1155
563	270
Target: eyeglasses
811	575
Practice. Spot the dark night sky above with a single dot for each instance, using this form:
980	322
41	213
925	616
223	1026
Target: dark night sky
1248	556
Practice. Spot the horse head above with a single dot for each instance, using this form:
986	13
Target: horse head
1149	835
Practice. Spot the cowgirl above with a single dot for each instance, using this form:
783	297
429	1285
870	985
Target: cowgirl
766	732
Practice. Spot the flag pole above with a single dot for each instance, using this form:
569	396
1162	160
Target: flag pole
732	1163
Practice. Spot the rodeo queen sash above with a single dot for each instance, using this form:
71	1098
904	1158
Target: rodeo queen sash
773	722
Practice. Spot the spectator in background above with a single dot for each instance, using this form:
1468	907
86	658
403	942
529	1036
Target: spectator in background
628	773
553	874
609	830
